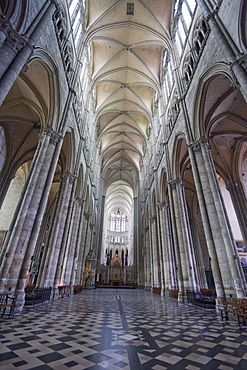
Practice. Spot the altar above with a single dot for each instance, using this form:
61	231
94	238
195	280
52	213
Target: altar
116	272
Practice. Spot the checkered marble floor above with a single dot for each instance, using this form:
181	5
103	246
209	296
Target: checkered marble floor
120	329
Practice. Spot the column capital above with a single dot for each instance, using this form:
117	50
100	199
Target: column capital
197	145
146	228
15	41
87	215
55	137
174	183
79	200
68	176
232	186
161	205
152	218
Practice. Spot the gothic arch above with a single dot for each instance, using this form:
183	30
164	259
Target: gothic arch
219	69
16	12
179	151
26	110
52	82
163	186
79	183
68	156
243	25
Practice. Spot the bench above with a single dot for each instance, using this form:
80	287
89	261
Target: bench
8	303
237	308
206	300
173	293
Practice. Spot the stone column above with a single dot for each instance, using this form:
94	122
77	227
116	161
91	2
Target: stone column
54	253
81	250
240	206
162	249
186	229
147	258
47	175
29	210
230	247
65	239
183	244
169	258
171	252
199	176
220	244
77	244
70	254
154	252
84	246
176	237
100	231
141	263
135	240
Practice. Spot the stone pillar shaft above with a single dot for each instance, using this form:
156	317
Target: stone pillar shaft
81	250
230	248
170	264
147	259
166	281
193	274
240	205
196	163
182	242
175	231
56	236
47	175
24	219
72	240
213	214
154	253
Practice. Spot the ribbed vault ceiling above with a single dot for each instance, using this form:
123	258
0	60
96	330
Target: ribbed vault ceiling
127	51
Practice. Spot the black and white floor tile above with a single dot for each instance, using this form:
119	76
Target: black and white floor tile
120	329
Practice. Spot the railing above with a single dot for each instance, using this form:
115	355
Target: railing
64	291
37	295
205	298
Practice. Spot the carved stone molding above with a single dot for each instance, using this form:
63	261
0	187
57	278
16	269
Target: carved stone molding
68	176
174	183
232	186
79	200
152	218
87	215
15	41
54	136
197	145
61	29
161	205
200	35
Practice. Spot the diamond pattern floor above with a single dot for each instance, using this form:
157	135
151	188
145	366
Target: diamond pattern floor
120	329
